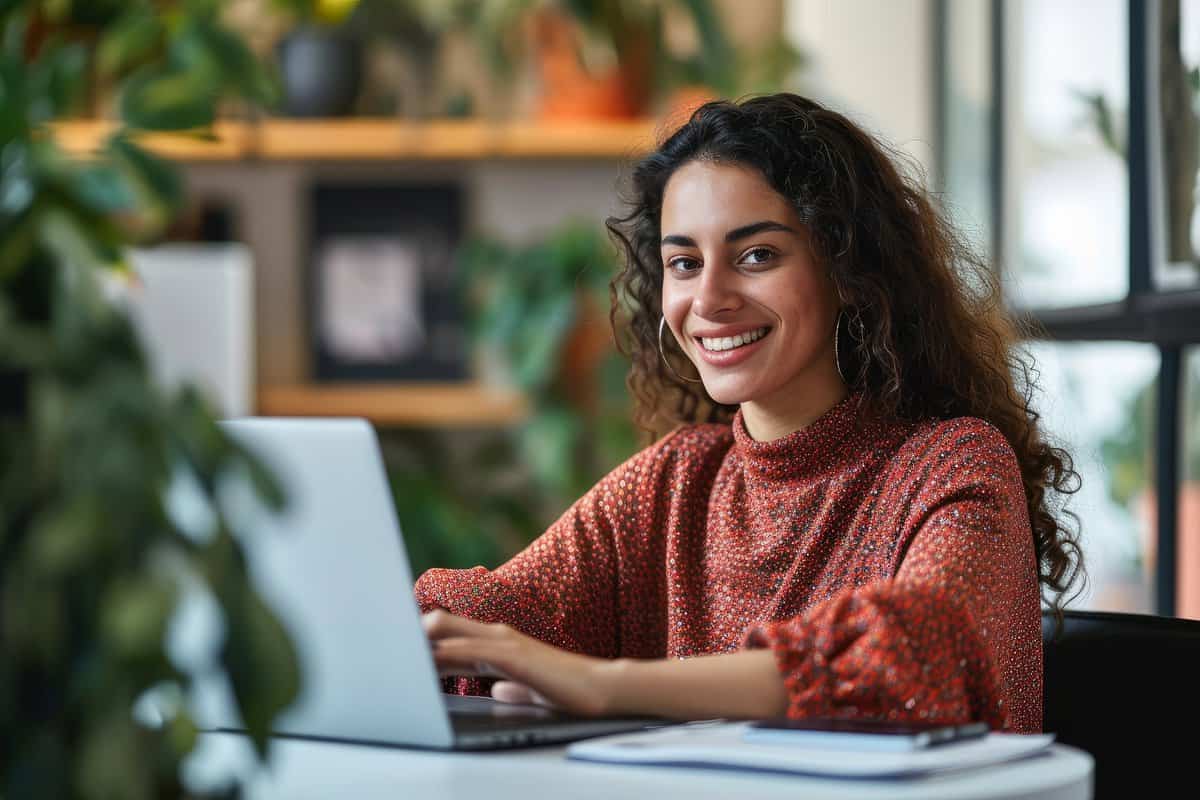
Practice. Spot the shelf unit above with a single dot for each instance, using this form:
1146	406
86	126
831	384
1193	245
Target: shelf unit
377	139
447	405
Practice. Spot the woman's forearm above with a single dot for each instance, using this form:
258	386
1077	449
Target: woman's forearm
742	685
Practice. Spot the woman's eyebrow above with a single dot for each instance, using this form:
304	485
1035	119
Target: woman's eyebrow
676	239
733	235
757	227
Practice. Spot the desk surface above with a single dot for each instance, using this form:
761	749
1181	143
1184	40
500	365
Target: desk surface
307	769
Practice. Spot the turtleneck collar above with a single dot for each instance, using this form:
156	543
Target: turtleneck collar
809	451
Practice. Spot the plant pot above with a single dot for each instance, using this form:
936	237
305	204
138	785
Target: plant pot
682	103
321	71
588	342
571	92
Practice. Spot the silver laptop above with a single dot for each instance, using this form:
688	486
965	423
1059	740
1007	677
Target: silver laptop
333	566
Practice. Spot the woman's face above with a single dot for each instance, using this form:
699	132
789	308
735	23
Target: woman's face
742	291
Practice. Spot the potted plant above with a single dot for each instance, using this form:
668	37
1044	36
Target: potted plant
1178	105
607	58
537	320
92	558
320	59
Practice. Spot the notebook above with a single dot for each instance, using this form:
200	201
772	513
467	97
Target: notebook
722	744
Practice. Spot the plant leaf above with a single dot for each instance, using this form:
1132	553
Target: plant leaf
103	189
168	101
129	41
156	179
259	658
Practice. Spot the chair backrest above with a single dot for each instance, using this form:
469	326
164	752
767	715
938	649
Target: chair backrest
1126	688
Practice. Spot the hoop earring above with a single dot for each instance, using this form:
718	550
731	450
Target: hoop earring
837	349
662	322
837	328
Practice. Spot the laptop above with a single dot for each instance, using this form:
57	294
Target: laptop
334	568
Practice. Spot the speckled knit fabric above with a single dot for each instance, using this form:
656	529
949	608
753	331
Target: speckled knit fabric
889	566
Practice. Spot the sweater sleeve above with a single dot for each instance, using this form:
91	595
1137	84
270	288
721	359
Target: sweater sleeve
955	635
562	588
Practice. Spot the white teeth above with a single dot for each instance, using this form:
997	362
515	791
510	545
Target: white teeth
730	342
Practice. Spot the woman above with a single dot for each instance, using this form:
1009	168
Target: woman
852	517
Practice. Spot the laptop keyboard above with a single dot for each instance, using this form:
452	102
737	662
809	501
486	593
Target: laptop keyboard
477	723
482	723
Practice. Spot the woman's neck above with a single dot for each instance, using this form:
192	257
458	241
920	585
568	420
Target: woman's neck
766	420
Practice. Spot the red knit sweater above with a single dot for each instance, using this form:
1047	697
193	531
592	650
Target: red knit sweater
889	566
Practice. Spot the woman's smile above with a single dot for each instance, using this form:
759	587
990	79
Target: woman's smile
731	350
714	342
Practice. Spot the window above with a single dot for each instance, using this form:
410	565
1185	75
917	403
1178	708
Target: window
1175	144
1066	184
1094	139
1097	400
966	101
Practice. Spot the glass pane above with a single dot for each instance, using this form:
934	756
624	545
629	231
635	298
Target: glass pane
966	131
1178	145
1098	401
1065	211
1188	597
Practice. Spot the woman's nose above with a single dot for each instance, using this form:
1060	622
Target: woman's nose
716	291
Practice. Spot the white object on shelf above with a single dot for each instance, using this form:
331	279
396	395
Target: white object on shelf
193	306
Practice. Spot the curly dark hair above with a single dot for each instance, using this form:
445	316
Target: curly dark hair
927	329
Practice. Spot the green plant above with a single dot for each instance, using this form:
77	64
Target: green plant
539	310
537	313
1178	110
611	32
1128	453
92	560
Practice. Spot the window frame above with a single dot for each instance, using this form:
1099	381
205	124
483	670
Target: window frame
1168	319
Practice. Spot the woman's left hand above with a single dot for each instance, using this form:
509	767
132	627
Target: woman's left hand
530	671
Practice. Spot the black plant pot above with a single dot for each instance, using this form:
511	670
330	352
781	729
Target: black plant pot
321	70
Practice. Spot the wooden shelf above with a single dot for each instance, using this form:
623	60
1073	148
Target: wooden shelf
229	141
377	139
400	404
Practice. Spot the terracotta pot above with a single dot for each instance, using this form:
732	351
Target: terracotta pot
570	92
682	103
588	342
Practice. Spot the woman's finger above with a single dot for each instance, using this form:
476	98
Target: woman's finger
440	624
513	692
463	655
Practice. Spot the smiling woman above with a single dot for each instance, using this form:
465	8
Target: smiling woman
852	512
747	299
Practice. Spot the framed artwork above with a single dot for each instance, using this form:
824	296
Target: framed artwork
382	300
1173	129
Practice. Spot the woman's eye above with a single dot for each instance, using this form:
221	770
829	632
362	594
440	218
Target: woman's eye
682	264
758	255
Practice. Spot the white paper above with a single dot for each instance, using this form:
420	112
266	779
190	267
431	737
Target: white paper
721	745
371	305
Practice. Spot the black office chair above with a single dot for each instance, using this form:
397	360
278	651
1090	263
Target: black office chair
1126	688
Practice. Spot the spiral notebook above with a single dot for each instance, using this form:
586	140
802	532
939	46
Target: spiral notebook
722	744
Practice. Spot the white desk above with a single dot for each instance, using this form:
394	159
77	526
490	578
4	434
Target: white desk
307	769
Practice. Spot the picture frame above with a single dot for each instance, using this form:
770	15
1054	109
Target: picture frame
382	300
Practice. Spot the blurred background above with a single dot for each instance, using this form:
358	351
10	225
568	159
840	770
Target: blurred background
415	233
